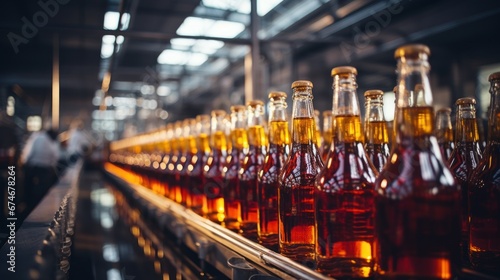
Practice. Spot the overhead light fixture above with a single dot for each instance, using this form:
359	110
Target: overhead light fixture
177	57
197	46
196	26
242	6
111	21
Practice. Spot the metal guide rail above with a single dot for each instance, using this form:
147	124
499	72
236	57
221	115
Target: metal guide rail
214	244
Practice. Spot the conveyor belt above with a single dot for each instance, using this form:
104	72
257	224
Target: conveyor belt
214	244
110	241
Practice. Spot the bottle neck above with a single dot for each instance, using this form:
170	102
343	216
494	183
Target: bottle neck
374	109
256	127
219	141
279	133
494	117
444	130
303	125
346	111
466	124
203	143
239	139
414	112
192	145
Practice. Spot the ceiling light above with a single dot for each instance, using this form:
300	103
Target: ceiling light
242	6
111	21
196	26
120	39
207	46
225	29
172	57
197	59
182	43
107	50
108	39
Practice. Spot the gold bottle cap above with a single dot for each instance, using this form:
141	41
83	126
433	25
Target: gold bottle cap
255	103
277	94
444	110
344	70
465	100
238	108
373	92
302	83
494	76
413	51
327	113
216	113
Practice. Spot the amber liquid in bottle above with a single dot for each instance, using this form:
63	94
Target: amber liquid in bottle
232	202
268	180
377	143
196	177
251	165
296	194
345	205
327	134
463	160
484	194
444	132
214	181
417	206
191	150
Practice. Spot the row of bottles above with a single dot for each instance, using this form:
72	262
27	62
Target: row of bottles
341	200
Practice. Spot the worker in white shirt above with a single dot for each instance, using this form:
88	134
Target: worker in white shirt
39	159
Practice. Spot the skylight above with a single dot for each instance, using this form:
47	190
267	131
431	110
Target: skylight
243	6
196	26
111	20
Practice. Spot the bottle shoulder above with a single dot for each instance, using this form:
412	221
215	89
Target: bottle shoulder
487	173
347	167
302	166
416	168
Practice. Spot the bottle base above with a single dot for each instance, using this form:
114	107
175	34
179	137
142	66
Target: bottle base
270	241
345	268
301	253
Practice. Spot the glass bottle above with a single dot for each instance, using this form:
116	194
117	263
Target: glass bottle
317	133
417	200
344	189
484	193
238	137
327	134
464	159
268	178
175	165
444	132
168	154
190	150
296	191
198	161
251	165
214	182
376	131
